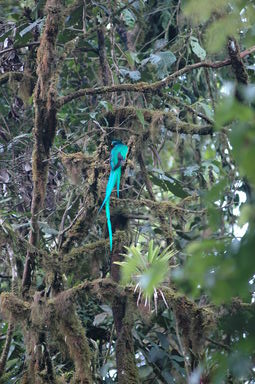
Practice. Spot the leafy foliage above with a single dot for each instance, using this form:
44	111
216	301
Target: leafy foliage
146	270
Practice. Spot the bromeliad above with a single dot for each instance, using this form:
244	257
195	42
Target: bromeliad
117	159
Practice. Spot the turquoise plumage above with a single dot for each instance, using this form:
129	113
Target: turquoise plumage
117	159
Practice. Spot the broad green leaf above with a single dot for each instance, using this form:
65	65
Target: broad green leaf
197	49
129	17
140	116
163	62
168	183
30	27
145	371
75	17
133	75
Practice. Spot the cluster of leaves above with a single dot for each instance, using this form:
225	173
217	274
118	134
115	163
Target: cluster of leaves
147	271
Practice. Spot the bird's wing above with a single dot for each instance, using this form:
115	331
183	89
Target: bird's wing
120	160
118	155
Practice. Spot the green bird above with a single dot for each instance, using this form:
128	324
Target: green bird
117	159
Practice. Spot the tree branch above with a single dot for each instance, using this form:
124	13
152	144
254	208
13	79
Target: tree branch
4	78
169	119
145	87
44	126
10	49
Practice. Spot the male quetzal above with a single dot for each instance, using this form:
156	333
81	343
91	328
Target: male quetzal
117	159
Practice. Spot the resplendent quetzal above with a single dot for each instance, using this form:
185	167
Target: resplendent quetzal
117	159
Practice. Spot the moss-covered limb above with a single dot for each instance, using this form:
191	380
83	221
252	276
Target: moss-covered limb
65	323
69	325
12	305
44	125
166	207
11	322
5	77
85	261
125	356
79	230
40	368
103	289
194	321
145	87
152	117
6	347
237	62
106	289
34	318
88	259
82	223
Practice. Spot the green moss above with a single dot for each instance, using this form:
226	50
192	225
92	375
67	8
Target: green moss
88	259
123	310
70	326
6	377
11	304
193	321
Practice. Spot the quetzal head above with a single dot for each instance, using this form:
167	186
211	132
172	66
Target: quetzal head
115	142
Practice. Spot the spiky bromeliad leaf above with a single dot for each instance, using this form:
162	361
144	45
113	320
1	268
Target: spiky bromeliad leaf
147	270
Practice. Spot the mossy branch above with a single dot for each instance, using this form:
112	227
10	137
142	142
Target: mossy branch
123	314
169	119
6	347
145	87
194	321
75	338
5	77
165	206
237	62
44	126
17	308
85	261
